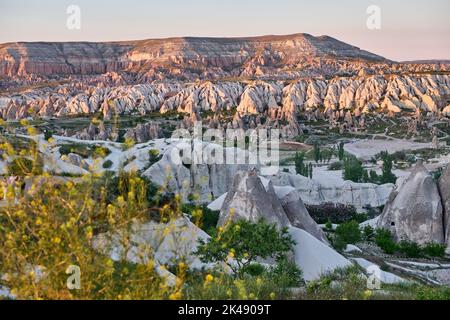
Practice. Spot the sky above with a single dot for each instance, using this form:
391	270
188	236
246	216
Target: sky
409	30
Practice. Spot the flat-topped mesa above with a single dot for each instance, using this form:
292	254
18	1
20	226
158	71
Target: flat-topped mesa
414	211
189	56
65	58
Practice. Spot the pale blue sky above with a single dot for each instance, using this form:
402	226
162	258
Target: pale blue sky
414	29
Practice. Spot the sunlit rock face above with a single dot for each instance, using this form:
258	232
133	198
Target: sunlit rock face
414	212
187	57
275	100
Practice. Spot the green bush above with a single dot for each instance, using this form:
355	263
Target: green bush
368	232
226	287
349	232
21	167
202	217
329	225
255	269
384	239
410	249
336	213
107	164
245	242
154	156
120	183
48	134
353	169
84	150
286	274
339	244
434	250
430	293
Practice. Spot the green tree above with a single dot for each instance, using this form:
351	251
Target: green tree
385	240
349	232
387	176
341	151
353	169
317	153
244	242
300	167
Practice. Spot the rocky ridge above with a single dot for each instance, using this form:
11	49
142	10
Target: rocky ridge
188	57
278	100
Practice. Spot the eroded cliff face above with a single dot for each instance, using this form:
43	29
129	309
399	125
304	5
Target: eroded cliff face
276	99
188	57
414	212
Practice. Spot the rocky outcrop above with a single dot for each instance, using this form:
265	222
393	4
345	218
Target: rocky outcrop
205	181
96	132
444	189
342	98
414	212
252	198
247	199
314	257
185	57
144	132
298	214
165	244
315	192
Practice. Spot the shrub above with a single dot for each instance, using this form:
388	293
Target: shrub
84	150
245	241
434	250
338	243
300	167
48	134
361	217
341	284
20	167
329	225
348	232
202	217
255	269
353	169
154	156
336	213
286	274
430	293
410	249
107	164
54	227
115	185
226	287
384	239
368	232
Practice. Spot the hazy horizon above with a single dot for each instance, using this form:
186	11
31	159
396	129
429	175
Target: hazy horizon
416	30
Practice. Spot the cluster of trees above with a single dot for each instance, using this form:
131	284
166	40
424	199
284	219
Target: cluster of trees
320	156
351	233
354	171
301	167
